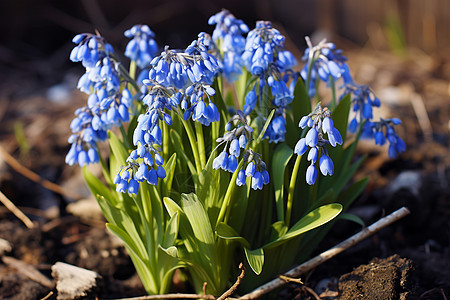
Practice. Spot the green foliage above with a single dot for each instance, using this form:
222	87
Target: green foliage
198	219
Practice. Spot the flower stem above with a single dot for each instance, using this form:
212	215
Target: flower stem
165	147
193	142
291	190
132	70
333	93
227	199
200	144
311	61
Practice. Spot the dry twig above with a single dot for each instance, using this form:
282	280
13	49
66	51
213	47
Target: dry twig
422	116
28	270
314	262
235	285
18	167
17	212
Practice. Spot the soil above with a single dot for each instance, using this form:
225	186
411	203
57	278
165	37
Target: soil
408	260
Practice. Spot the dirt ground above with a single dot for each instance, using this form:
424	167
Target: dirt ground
408	260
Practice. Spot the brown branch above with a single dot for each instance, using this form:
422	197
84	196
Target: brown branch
231	290
17	212
19	168
28	270
225	295
321	258
172	296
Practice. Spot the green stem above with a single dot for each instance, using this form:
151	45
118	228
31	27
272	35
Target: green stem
132	71
200	143
193	142
291	190
308	75
227	199
125	137
313	195
165	146
333	93
105	171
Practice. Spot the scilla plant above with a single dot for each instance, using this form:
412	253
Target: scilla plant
216	150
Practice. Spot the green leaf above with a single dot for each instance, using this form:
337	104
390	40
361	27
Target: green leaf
170	171
179	150
227	232
261	134
255	259
301	105
198	218
281	157
352	218
171	206
340	115
278	229
314	219
171	231
171	251
97	187
119	153
349	195
137	249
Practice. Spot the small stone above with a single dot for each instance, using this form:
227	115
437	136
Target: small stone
73	282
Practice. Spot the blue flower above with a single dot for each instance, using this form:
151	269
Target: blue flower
180	69
363	101
194	105
250	102
142	46
322	62
277	128
221	161
228	34
311	174
241	178
320	123
326	165
382	131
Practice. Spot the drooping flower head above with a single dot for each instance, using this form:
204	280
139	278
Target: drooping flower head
107	106
320	123
363	101
180	69
382	131
228	35
264	46
142	47
236	145
322	62
266	58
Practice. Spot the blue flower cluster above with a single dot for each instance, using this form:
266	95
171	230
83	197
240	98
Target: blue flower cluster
363	101
180	69
254	167
384	130
236	139
142	47
320	123
322	62
107	106
145	162
176	79
228	35
198	109
266	58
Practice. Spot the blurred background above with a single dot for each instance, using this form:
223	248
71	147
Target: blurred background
35	36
